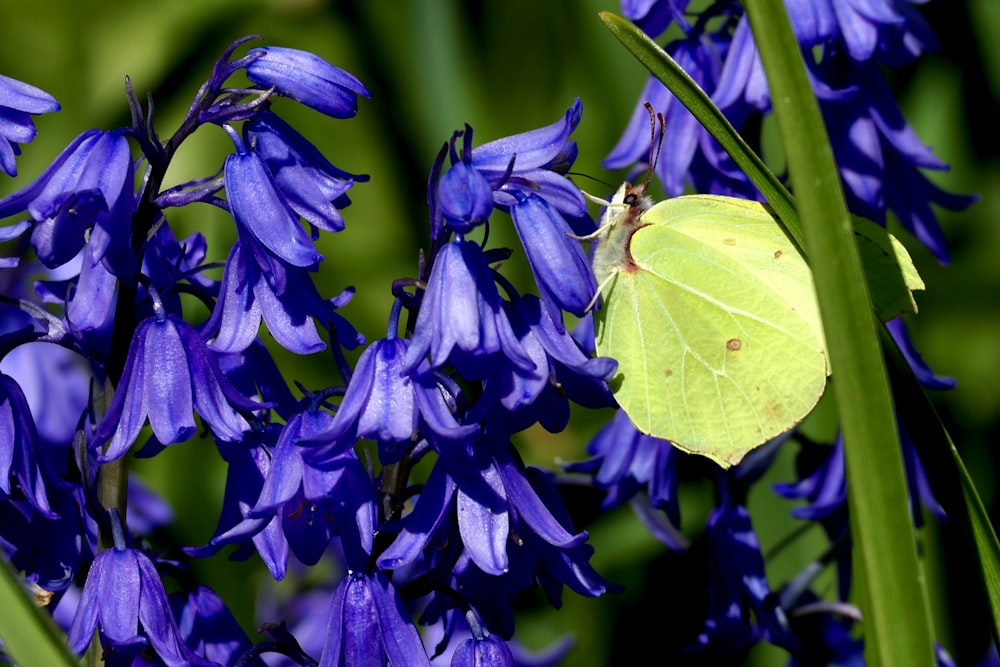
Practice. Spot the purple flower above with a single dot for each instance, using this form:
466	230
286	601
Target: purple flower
18	102
690	153
626	462
208	627
21	456
246	297
262	213
460	318
87	189
534	162
170	373
385	405
464	196
492	498
561	269
737	584
880	156
369	625
124	597
313	187
306	78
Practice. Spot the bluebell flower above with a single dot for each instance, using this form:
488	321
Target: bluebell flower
536	161
691	153
261	211
208	627
860	25
18	102
246	297
369	625
86	190
124	598
625	463
385	405
461	320
482	650
314	188
306	78
55	384
21	456
492	498
464	196
514	398
880	156
738	584
248	462
170	373
562	271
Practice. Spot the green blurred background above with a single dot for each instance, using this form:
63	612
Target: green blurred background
505	67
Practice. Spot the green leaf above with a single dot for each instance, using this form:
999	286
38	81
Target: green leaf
952	485
29	635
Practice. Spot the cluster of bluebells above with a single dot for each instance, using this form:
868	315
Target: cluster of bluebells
102	362
405	474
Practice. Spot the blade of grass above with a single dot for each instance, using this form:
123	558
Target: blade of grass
898	625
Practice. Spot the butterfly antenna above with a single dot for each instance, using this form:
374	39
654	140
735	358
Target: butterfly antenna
656	121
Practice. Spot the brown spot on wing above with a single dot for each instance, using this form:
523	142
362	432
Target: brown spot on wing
778	254
729	240
734	344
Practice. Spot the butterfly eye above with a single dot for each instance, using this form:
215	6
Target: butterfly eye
631	199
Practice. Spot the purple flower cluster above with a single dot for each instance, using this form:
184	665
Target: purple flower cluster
440	402
404	478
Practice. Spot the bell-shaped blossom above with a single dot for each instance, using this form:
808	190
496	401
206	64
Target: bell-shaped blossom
881	157
21	456
464	196
369	625
124	598
208	627
384	404
515	398
306	78
562	271
626	462
314	188
692	155
737	585
86	190
169	374
281	503
246	297
56	385
534	162
481	649
461	320
488	492
261	211
18	102
248	463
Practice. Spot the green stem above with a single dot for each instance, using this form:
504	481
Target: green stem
898	627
